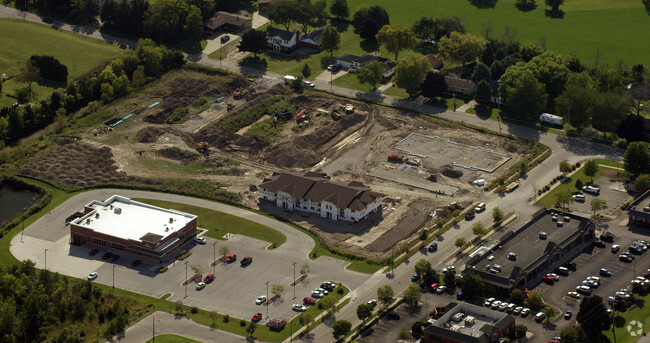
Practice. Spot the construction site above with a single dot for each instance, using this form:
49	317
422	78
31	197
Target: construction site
237	131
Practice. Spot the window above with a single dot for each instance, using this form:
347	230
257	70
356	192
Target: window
117	246
99	242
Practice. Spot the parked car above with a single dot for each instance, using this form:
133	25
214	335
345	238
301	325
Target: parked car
208	278
572	266
548	279
93	252
308	300
583	289
554	276
433	286
330	286
607	237
393	315
517	310
372	302
246	261
433	247
200	286
200	240
600	244
114	257
260	300
543	235
323	290
317	294
540	316
256	317
92	276
525	312
579	197
511	307
441	289
299	307
107	255
309	84
625	258
488	302
503	306
615	248
415	277
573	295
448	268
479	182
495	304
469	215
231	258
480	207
591	189
605	272
225	38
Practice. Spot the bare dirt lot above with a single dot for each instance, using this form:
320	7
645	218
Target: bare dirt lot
250	138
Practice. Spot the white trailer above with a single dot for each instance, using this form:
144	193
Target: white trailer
551	119
288	79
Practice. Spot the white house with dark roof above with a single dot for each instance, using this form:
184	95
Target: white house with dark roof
315	193
281	40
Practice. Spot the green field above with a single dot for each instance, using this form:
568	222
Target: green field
20	40
618	28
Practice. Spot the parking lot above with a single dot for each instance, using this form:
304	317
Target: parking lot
386	330
610	192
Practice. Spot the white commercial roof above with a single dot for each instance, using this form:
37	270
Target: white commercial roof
127	219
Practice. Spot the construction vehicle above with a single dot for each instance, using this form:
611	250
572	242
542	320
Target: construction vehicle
301	115
349	108
277	324
241	92
413	161
230	106
203	148
336	115
511	187
395	158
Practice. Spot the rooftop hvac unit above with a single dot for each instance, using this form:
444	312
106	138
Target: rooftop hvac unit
118	210
458	317
469	320
88	221
171	220
96	215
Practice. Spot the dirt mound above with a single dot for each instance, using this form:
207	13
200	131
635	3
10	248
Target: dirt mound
239	81
149	134
318	138
449	171
293	157
79	164
178	154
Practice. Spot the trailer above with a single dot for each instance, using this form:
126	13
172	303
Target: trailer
511	187
551	119
277	324
288	78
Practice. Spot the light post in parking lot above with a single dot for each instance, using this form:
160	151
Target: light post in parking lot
214	258
294	279
267	299
113	279
186	278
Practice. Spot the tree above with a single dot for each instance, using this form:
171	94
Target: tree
377	13
524	95
530	50
591	168
424	27
565	167
445	26
497	214
563	198
550	312
372	73
522	167
449	277
609	111
297	84
479	230
385	295
636	158
472	284
250	329
520	331
430	277
396	38
535	301
579	184
550	70
282	13
253	41
481	72
593	316
642	183
277	289
224	251
577	104
422	267
341	328
412	295
28	74
646	3
193	26
368	29
330	40
410	72
306	71
340	9
573	334
305	319
462	47
497	69
517	296
597	205
434	85
364	311
405	334
632	128
459	242
554	4
329	304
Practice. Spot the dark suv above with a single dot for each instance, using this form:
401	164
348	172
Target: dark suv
469	215
225	38
607	237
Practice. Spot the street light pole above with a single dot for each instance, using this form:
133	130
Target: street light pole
45	259
294	280
214	258
267	299
153	333
186	278
331	81
113	278
21	232
220	47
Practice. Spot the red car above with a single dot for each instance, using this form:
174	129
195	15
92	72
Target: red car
231	258
208	278
256	317
93	252
308	300
548	279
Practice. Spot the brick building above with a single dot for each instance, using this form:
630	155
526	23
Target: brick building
122	225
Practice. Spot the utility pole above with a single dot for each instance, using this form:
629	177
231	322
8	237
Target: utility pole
113	279
267	299
45	259
294	280
153	334
214	258
186	278
23	230
220	47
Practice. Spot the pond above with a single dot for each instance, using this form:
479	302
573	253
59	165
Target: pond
13	202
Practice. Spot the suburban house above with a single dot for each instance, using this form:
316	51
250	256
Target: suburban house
264	4
639	211
351	61
287	42
434	61
315	193
227	22
460	86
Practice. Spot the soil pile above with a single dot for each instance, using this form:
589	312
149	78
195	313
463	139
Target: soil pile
78	164
449	171
178	154
149	134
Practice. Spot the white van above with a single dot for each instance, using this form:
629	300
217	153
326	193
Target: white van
288	79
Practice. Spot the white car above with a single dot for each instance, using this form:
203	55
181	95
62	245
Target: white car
92	276
309	84
199	240
323	290
615	248
503	306
448	268
200	286
555	277
441	289
579	197
591	189
260	300
480	207
511	307
495	304
525	312
317	294
479	182
299	307
488	302
540	316
372	302
573	295
517	310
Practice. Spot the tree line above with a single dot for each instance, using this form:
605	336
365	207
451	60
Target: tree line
131	70
39	305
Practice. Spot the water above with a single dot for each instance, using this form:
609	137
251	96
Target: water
12	202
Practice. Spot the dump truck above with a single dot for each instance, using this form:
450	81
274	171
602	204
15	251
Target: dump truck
395	158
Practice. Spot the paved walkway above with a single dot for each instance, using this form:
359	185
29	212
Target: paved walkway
467	106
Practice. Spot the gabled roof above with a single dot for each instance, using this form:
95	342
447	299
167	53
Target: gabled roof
348	58
318	188
220	18
454	82
282	34
313	36
433	60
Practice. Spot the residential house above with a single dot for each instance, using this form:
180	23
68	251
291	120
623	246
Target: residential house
434	61
315	193
639	211
351	61
281	40
312	40
227	22
459	86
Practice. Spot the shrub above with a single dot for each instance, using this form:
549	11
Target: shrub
579	184
194	310
226	318
242	323
50	68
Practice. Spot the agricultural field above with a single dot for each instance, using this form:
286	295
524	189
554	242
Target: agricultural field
20	40
615	30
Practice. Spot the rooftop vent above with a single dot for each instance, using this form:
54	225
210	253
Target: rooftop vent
96	215
171	220
118	210
88	221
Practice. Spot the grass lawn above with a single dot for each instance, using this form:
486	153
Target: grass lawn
351	81
396	92
641	314
569	183
20	40
172	339
219	223
581	31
